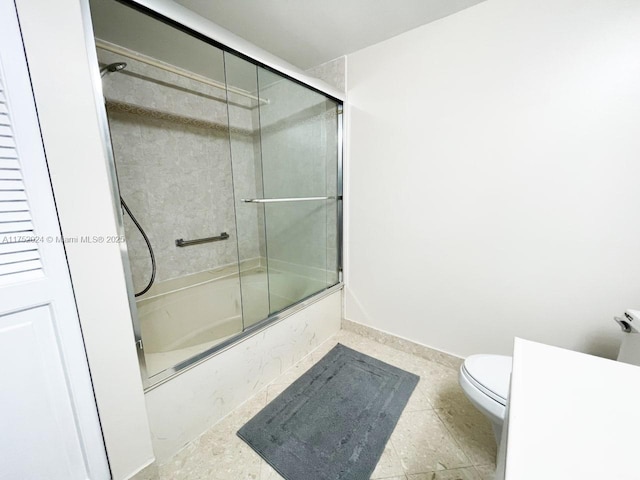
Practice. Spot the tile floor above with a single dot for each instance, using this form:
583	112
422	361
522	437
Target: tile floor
440	435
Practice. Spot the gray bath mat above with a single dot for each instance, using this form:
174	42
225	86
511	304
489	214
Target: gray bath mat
334	421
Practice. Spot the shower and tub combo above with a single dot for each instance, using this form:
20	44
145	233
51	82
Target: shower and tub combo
229	181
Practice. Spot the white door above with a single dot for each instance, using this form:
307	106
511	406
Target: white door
49	426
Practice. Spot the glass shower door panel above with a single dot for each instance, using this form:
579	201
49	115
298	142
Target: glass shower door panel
297	246
244	134
299	168
167	111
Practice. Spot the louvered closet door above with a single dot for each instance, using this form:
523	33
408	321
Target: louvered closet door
49	427
19	255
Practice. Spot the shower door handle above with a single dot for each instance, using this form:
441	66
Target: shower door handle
291	199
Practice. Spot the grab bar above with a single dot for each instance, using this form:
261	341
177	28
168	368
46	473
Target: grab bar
186	243
293	199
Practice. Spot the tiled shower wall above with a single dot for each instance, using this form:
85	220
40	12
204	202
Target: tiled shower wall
176	176
332	72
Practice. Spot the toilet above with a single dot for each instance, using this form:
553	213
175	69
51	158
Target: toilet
485	378
485	381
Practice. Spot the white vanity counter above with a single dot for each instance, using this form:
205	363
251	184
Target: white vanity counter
571	416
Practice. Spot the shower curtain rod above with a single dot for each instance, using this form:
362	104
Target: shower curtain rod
125	52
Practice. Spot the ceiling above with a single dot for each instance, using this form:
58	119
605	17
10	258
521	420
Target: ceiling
307	33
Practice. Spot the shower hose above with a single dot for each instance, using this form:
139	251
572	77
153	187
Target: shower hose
146	239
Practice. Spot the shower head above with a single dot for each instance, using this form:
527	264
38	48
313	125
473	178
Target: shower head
112	67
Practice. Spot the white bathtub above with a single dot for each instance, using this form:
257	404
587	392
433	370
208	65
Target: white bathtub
184	317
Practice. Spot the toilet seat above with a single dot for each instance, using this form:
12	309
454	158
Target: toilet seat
490	374
485	380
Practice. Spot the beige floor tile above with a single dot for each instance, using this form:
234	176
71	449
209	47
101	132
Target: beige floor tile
469	473
403	360
474	435
274	390
150	472
418	401
457	404
389	464
424	444
486	472
218	457
219	454
440	385
268	473
248	409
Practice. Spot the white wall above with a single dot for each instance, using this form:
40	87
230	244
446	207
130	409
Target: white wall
61	74
493	177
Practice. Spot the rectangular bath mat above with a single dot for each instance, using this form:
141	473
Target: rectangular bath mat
334	421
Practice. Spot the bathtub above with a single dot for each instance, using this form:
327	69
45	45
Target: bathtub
184	317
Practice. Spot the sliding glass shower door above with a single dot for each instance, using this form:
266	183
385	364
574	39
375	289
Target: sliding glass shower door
290	211
299	168
229	185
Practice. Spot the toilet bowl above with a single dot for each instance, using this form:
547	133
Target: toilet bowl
485	378
485	381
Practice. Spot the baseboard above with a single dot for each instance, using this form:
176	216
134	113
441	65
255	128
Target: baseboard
403	344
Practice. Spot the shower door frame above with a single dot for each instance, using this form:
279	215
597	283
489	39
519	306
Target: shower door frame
192	24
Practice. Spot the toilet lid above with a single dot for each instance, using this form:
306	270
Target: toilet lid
492	372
